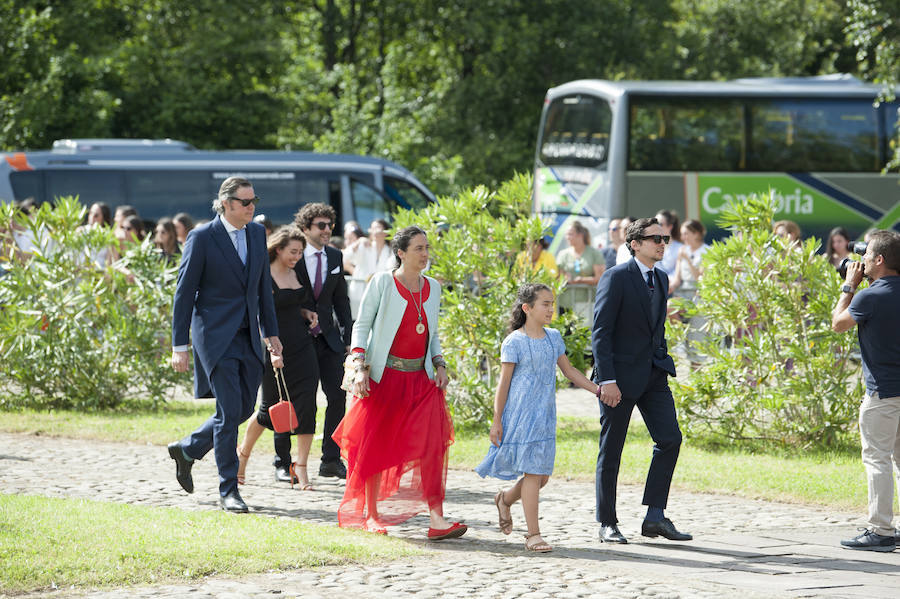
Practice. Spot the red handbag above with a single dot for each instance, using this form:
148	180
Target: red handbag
282	414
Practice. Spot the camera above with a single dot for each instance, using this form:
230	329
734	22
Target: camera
857	248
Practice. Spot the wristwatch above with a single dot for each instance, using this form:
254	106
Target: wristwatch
846	288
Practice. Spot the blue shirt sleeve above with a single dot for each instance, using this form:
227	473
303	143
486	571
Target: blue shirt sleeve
861	306
508	350
558	344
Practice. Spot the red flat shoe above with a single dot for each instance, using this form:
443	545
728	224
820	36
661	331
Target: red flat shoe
456	530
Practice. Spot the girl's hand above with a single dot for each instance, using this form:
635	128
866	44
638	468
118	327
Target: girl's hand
496	433
361	384
440	378
311	316
277	361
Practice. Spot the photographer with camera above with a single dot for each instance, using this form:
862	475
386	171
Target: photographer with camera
876	311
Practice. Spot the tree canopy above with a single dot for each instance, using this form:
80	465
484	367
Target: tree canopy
452	89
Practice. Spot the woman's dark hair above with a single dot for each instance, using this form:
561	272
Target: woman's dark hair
135	225
186	221
280	238
169	225
527	294
829	245
671	219
583	231
401	241
104	211
695	226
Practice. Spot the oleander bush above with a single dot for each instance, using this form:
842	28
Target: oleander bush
74	334
773	370
475	237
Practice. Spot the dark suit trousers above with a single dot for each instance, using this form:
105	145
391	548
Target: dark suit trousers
235	382
658	410
331	373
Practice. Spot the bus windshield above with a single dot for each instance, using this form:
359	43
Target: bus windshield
576	132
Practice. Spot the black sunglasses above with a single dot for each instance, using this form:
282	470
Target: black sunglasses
324	225
245	203
657	238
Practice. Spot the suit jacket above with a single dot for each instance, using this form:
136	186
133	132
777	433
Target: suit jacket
332	301
625	342
215	293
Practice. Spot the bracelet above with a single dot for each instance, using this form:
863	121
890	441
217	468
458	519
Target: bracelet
359	356
439	361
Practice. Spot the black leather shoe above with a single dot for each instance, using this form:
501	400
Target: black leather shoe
283	475
663	528
869	540
609	533
333	469
182	467
233	503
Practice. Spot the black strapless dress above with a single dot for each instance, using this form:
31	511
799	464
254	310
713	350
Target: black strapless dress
301	368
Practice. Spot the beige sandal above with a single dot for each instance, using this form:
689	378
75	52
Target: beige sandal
505	523
242	464
541	546
307	486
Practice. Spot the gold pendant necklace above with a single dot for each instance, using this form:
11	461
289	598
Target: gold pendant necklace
420	328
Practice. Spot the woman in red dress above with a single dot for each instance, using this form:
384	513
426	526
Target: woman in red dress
396	435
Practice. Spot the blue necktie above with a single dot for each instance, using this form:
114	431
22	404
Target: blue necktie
241	244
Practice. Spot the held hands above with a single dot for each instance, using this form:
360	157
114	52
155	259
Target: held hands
277	361
273	344
610	394
311	316
496	432
180	361
361	383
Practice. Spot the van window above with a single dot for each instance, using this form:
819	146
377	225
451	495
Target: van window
369	204
155	194
404	193
26	184
89	185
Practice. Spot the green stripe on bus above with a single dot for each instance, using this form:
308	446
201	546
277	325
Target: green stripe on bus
890	219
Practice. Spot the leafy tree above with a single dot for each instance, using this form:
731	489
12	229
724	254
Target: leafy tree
475	238
774	369
73	335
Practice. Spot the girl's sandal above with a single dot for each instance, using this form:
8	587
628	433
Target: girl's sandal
307	486
242	464
540	546
505	522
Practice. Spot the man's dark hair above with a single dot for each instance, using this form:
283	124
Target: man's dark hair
887	244
308	213
635	231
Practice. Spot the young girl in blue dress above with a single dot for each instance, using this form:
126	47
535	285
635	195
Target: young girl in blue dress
523	433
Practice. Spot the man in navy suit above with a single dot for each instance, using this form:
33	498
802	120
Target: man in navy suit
322	271
224	296
631	365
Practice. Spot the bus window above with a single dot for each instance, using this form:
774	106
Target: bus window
26	184
278	195
813	135
369	204
576	131
685	134
155	194
89	185
404	193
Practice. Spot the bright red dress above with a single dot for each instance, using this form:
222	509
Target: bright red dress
401	431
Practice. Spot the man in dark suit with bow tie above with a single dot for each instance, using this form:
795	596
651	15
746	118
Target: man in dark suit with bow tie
222	300
631	365
322	271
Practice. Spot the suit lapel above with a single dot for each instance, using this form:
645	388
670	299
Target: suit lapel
640	286
223	240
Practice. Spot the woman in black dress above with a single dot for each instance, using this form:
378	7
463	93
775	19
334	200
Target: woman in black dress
301	374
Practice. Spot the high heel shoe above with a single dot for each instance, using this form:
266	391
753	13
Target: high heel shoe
242	464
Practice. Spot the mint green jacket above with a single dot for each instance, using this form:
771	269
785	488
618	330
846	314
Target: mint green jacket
380	312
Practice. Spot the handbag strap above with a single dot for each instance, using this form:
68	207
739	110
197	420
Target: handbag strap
279	383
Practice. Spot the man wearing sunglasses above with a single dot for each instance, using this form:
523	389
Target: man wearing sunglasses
631	365
322	271
223	300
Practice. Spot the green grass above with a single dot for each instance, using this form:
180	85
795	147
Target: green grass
834	479
64	542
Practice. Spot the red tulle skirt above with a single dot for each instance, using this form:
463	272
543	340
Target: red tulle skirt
402	431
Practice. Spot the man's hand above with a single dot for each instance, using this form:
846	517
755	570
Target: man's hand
854	273
610	394
273	344
180	361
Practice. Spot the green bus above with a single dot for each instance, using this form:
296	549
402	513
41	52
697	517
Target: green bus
608	149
